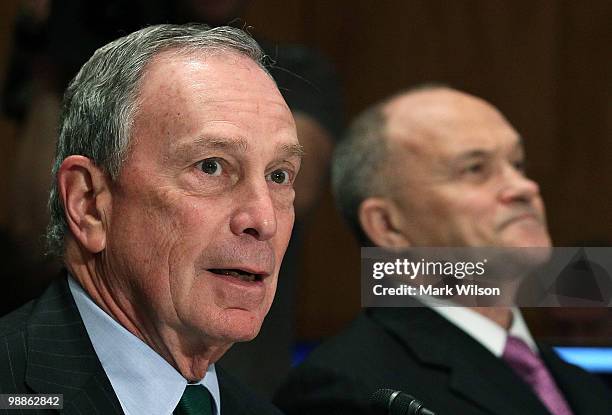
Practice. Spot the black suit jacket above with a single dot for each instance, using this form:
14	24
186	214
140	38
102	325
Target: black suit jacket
419	352
44	348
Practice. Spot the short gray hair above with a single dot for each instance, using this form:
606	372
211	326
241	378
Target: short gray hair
101	101
359	166
356	165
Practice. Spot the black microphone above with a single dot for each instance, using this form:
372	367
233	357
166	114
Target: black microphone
398	403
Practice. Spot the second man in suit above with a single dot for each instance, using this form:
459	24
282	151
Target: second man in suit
436	167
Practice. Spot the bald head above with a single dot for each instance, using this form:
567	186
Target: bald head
436	113
451	174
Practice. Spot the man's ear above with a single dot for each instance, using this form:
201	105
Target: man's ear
83	188
379	220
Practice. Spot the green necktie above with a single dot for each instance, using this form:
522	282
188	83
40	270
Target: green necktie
196	400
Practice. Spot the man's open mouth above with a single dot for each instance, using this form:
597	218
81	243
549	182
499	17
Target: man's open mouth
237	273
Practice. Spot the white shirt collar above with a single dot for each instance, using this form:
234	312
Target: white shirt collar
485	331
144	382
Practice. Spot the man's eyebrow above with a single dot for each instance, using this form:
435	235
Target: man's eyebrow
482	153
291	150
472	154
185	149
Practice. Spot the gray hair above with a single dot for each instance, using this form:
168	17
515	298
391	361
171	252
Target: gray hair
101	101
359	168
356	165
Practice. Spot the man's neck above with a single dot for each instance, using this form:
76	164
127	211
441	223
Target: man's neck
191	359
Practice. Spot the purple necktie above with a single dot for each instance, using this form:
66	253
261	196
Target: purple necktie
532	370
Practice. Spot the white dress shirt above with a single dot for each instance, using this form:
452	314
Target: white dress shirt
144	382
486	332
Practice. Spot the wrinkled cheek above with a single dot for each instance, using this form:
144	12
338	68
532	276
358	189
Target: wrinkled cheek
284	202
285	228
285	212
181	246
476	229
144	236
473	219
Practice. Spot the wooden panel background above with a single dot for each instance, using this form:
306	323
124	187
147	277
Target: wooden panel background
8	131
545	64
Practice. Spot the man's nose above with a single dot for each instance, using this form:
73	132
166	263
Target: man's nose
255	214
518	187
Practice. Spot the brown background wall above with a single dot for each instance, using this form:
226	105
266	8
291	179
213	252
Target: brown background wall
7	129
545	64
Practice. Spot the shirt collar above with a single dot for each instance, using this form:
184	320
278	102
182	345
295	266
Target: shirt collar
484	330
145	383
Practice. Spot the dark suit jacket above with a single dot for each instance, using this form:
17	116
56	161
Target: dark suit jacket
44	348
419	352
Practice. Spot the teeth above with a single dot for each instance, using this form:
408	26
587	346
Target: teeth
235	274
249	277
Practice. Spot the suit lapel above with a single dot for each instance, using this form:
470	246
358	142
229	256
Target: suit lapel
476	375
61	358
584	393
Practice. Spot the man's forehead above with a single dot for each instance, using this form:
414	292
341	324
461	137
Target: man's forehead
286	147
178	83
445	121
195	56
174	73
196	102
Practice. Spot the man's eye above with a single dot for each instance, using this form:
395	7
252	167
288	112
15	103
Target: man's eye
474	168
211	166
280	177
519	165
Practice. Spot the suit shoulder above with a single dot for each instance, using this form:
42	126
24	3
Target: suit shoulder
331	380
236	398
15	321
584	389
363	340
13	353
315	388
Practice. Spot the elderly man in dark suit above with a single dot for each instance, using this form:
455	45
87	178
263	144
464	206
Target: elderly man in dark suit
435	167
172	207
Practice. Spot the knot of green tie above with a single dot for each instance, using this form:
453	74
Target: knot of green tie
196	400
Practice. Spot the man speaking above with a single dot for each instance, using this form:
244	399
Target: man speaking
172	207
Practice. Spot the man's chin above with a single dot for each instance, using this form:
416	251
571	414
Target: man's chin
533	251
526	235
542	244
240	325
